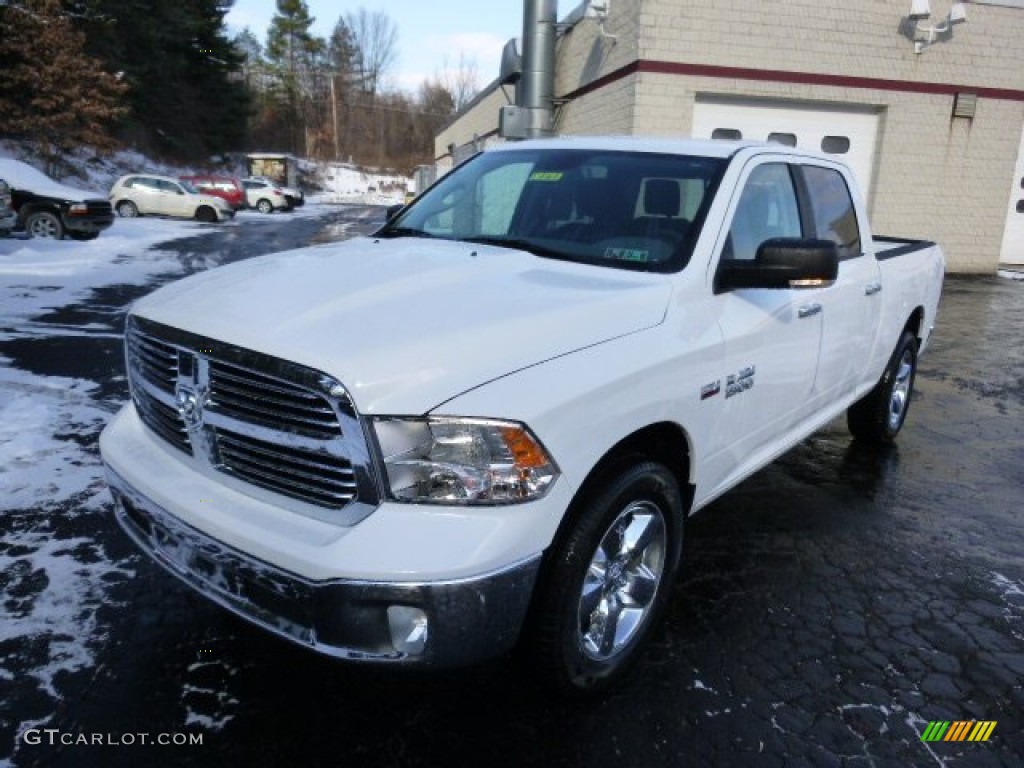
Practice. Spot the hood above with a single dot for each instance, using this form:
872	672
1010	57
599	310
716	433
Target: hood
24	177
407	324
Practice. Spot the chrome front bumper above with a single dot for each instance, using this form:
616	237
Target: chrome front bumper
467	620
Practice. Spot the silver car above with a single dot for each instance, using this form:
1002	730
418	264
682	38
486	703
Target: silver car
142	194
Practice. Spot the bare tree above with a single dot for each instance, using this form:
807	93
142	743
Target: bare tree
462	81
376	46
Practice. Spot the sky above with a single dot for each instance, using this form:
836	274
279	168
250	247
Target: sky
431	33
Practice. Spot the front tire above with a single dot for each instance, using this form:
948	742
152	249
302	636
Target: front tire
206	214
43	224
127	209
879	415
84	236
607	581
265	206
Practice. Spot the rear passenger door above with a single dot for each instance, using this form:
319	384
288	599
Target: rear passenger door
852	304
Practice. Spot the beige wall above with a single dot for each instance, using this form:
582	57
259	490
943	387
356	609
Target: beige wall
936	177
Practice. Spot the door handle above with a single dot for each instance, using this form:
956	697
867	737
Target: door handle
872	288
808	310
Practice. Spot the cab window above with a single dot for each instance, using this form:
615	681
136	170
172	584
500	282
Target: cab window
835	218
767	208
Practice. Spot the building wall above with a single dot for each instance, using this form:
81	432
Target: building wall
936	177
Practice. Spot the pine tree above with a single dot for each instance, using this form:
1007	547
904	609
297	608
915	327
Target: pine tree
53	94
293	53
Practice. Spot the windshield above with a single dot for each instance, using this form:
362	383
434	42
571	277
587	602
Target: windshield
628	210
190	187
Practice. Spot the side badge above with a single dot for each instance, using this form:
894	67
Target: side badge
710	390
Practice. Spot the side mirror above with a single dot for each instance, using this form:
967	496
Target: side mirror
394	210
782	262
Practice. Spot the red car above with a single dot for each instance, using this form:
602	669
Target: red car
225	187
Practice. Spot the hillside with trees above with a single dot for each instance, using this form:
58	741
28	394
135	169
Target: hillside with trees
166	79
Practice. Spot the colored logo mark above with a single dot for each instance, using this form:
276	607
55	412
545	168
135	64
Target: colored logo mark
958	730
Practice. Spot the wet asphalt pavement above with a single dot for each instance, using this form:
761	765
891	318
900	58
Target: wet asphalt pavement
829	608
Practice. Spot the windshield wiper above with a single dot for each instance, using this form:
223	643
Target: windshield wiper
513	242
403	232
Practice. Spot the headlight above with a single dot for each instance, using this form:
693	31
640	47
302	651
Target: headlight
78	209
463	461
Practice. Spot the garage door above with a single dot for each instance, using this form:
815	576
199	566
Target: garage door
847	131
1013	236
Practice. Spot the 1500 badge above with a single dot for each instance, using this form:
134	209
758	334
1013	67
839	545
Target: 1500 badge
736	384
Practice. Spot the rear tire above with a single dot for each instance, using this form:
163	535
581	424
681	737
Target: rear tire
607	582
879	415
45	225
127	209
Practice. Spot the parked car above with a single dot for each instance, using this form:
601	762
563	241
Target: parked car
144	194
265	196
227	188
8	218
489	421
46	208
293	195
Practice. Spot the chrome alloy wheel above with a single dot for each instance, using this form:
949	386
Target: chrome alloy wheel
622	580
901	389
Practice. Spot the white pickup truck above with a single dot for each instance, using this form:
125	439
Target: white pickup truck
486	424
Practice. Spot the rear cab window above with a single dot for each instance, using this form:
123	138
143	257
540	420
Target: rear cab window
832	209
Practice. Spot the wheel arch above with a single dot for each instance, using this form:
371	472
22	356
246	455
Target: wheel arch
27	209
915	324
665	442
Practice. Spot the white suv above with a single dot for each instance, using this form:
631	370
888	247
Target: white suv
264	195
143	194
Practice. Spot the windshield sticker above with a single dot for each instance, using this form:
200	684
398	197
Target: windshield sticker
627	254
546	176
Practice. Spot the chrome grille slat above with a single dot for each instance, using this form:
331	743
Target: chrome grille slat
258	381
247	411
242	463
261	428
303	460
226	389
165	422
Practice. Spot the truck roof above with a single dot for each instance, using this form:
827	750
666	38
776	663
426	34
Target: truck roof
658	144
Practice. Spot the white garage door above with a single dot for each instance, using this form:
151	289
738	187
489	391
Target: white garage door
1013	236
847	131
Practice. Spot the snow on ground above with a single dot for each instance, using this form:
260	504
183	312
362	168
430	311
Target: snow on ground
55	576
41	275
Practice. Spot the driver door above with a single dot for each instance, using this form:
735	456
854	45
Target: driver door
772	336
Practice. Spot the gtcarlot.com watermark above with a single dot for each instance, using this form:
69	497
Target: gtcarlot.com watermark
55	736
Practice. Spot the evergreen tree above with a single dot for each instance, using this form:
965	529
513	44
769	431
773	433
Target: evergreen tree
186	97
52	93
293	55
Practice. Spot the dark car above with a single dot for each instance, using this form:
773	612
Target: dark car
225	187
8	218
46	208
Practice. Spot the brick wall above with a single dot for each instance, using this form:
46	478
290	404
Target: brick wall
936	177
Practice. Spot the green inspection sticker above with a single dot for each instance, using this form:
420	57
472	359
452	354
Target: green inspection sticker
627	254
546	176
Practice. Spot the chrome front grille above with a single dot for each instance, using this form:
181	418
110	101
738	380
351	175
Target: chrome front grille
254	420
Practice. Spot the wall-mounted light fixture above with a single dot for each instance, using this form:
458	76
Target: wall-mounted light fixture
922	34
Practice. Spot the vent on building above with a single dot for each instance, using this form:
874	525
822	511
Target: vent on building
726	134
835	145
965	105
786	139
